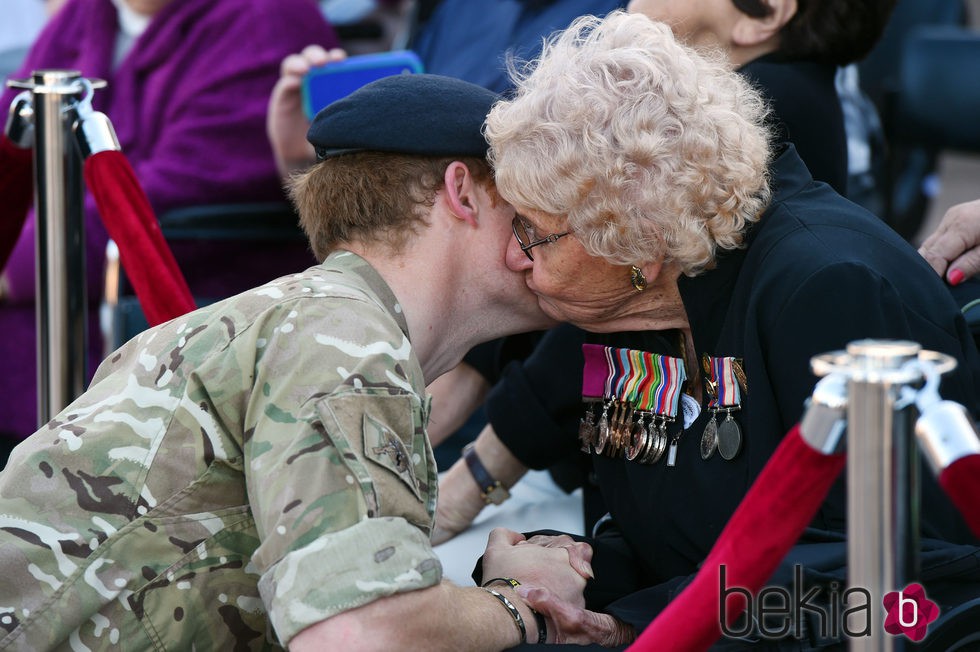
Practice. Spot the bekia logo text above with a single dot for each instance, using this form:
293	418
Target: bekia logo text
778	611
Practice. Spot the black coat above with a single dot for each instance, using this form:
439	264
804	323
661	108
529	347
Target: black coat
818	272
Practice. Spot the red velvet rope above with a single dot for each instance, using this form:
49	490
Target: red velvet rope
778	507
143	251
961	482
16	194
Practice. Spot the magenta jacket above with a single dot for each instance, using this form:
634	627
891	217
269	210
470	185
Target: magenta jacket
188	104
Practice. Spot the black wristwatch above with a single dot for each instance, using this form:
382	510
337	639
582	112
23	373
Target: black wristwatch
492	491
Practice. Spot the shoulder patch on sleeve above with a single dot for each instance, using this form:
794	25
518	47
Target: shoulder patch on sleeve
383	446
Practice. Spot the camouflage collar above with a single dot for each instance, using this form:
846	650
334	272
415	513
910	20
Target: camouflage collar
349	262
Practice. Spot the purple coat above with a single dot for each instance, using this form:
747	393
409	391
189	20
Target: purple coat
188	104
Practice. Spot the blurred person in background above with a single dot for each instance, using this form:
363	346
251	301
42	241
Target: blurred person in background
187	80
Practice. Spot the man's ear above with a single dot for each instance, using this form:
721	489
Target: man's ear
749	31
461	192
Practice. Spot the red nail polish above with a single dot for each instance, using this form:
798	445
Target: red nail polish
955	277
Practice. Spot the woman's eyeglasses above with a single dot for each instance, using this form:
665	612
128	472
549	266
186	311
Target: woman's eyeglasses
525	236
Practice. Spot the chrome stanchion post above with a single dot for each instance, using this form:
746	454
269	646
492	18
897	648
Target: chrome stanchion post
880	480
60	238
882	475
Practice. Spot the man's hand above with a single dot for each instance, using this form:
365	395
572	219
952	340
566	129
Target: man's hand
953	249
286	124
569	623
558	563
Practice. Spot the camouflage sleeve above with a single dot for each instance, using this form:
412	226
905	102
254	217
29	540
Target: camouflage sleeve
341	477
372	559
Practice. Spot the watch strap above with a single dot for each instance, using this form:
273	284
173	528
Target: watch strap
492	490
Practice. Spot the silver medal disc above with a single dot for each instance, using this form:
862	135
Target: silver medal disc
658	444
709	440
638	442
586	434
661	447
602	437
729	439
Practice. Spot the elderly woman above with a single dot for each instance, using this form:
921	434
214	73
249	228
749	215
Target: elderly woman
790	50
653	211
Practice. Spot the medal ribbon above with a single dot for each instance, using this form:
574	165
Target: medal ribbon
727	393
662	392
633	376
609	386
620	359
595	372
647	381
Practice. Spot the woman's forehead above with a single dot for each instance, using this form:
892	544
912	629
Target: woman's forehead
537	216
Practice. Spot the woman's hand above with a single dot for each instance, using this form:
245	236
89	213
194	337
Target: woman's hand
459	503
570	623
953	249
460	499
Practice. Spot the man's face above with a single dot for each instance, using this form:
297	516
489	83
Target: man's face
506	286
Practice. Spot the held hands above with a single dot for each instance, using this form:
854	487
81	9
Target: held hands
286	124
552	571
953	249
556	562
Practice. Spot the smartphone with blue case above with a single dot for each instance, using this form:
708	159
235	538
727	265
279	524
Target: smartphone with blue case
324	84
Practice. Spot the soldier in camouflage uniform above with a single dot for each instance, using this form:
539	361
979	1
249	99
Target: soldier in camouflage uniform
259	468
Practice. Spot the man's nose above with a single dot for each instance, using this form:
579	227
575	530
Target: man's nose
515	258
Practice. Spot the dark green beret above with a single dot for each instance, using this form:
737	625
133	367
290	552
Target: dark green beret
423	114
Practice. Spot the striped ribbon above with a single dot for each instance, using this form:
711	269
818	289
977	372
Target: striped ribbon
648	382
667	376
727	393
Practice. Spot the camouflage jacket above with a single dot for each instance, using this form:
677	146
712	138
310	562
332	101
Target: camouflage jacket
230	477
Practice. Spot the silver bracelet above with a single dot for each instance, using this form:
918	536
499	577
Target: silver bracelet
538	618
518	619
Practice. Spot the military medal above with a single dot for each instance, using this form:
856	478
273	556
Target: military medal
724	377
709	440
593	390
729	437
615	430
658	444
641	393
587	429
661	395
602	434
638	440
630	376
613	387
